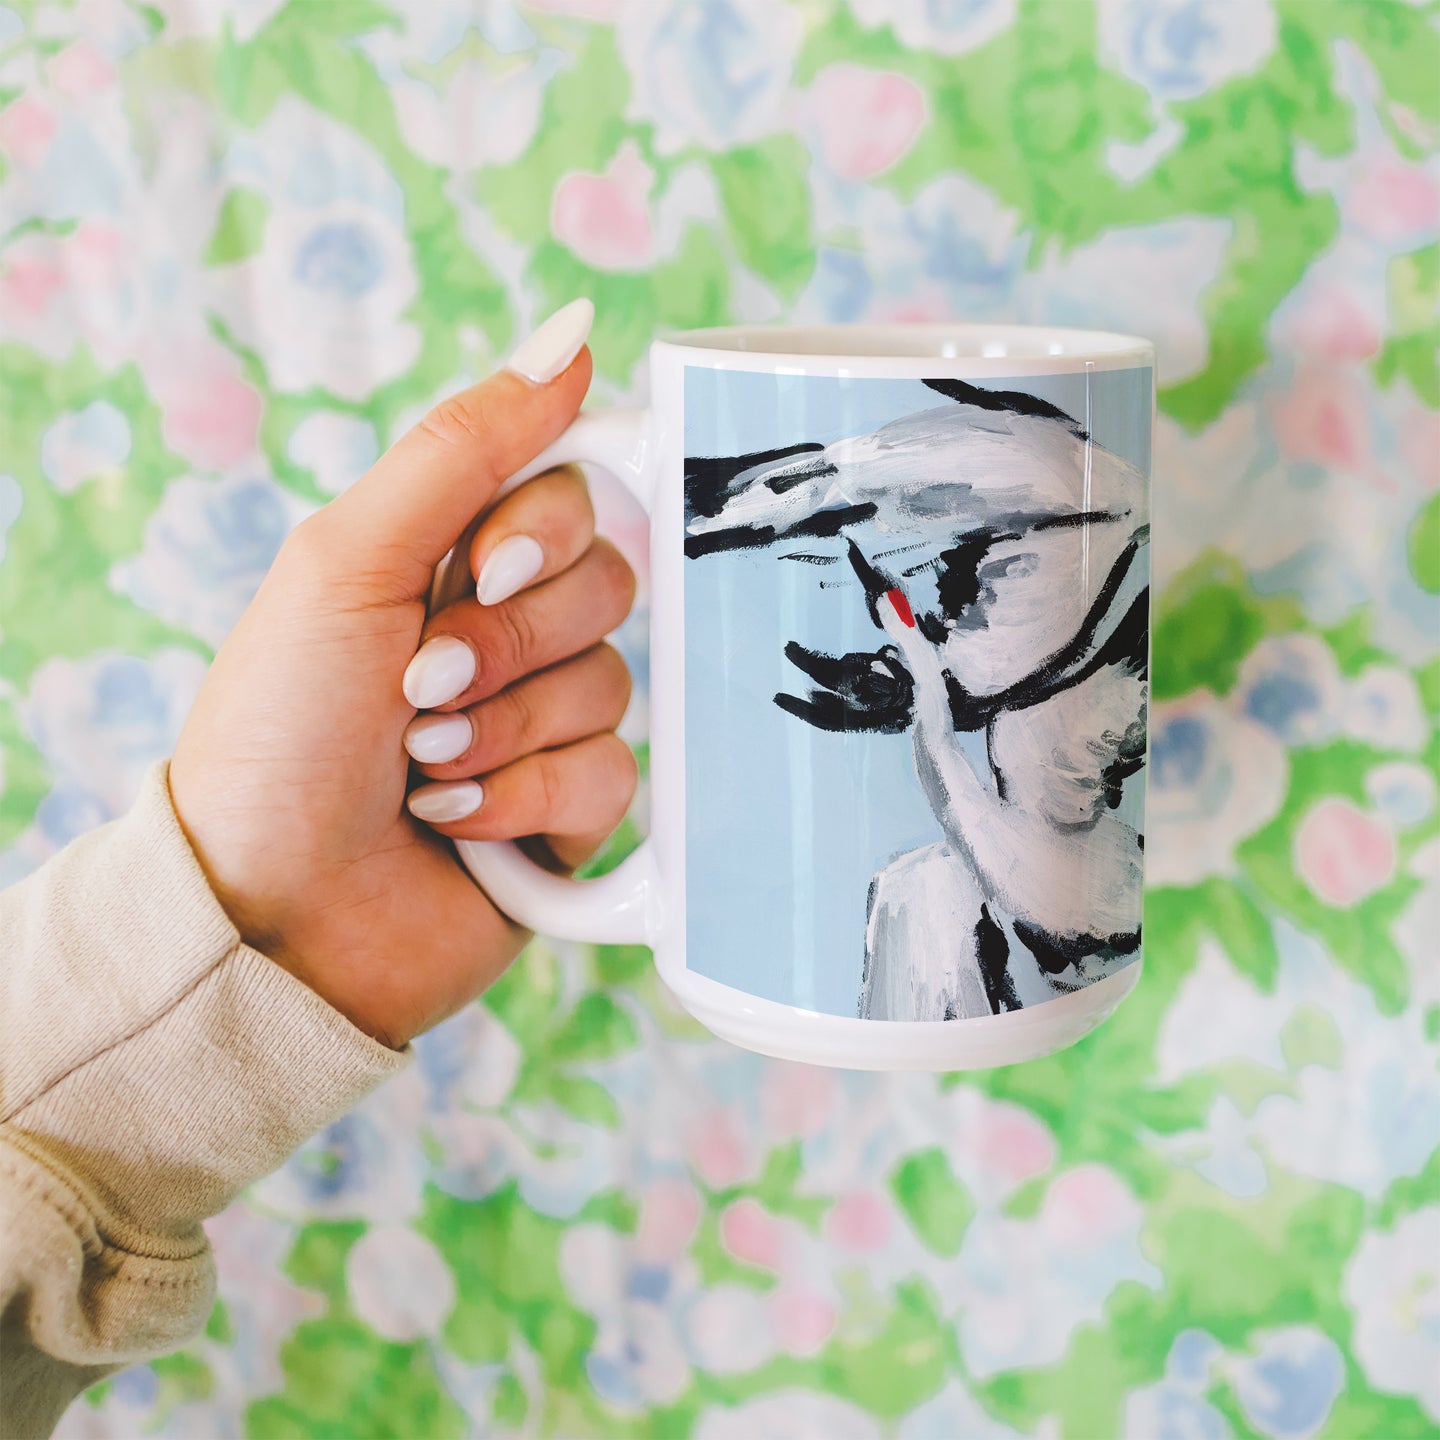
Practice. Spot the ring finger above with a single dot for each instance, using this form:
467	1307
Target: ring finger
568	702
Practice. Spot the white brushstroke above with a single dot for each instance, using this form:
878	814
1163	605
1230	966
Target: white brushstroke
920	957
957	465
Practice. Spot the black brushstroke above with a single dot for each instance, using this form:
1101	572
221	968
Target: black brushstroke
1057	953
1129	760
1017	402
1000	787
992	950
922	567
823	525
958	587
872	581
931	626
1127	644
856	695
710	480
1075	521
812	559
717	541
831	522
789	479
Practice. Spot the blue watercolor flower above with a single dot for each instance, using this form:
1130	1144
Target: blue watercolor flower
341	257
1288	1389
1179	752
1292	686
714	72
136	1387
84	443
342	1159
948	26
101	722
1182	48
206	550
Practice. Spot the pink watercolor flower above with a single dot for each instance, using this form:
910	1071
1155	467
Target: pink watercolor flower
27	126
796	1099
1394	202
912	309
1014	1143
858	1220
865	119
27	285
803	1321
210	415
605	219
752	1234
95	255
1333	325
669	1213
1086	1206
1323	419
718	1150
1342	853
81	70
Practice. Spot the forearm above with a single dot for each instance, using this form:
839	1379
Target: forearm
150	1067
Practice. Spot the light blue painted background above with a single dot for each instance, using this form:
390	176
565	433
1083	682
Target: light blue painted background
787	823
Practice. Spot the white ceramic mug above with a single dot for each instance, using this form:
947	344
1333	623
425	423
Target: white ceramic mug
899	671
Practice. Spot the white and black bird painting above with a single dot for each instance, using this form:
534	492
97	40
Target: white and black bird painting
1003	559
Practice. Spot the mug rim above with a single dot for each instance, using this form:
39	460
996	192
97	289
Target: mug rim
996	347
906	349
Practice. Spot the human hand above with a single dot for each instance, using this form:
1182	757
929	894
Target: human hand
290	775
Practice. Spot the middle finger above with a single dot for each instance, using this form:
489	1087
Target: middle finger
469	652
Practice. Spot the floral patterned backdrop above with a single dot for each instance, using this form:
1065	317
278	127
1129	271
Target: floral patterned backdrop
243	244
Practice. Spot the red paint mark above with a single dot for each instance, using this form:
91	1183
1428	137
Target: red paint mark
902	606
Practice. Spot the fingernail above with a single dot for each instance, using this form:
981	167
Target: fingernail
440	804
442	669
438	739
555	344
513	563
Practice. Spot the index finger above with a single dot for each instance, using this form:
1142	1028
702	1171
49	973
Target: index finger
413	504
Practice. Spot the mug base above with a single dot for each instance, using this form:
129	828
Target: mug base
786	1032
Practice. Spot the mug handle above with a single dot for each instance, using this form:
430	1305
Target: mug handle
623	907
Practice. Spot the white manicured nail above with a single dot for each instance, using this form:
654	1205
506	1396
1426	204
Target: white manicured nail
438	739
513	563
555	344
441	670
440	804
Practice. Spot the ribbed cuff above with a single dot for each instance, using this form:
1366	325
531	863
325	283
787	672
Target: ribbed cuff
151	1057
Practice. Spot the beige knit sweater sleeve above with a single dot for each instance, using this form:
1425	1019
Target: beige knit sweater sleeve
151	1065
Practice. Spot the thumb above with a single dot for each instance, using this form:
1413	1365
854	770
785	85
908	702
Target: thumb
415	502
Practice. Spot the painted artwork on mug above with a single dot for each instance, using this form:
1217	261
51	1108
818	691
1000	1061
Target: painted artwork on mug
960	584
